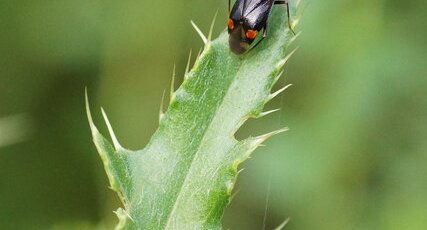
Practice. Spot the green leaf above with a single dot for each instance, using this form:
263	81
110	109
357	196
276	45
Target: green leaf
184	177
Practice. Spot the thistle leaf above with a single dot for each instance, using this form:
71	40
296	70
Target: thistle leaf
184	177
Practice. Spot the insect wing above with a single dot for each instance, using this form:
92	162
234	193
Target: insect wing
257	17
251	5
237	12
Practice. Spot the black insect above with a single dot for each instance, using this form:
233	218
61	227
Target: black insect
247	19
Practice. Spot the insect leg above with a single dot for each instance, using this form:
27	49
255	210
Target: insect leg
259	41
264	30
229	6
264	34
287	11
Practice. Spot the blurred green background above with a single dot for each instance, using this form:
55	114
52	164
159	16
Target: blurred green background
355	157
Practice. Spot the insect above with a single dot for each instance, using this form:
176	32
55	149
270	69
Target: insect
247	19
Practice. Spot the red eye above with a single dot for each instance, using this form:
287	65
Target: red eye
251	34
230	24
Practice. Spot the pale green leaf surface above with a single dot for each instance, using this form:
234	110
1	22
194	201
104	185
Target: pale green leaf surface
183	178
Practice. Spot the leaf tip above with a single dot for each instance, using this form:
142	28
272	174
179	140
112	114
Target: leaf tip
247	146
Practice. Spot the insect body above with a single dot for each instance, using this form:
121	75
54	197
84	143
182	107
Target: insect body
247	19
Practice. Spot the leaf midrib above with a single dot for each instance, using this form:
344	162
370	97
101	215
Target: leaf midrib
198	148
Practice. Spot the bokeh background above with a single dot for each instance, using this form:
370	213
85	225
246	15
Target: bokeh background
355	158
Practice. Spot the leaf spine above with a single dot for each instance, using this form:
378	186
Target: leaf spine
267	113
161	113
116	143
282	62
172	88
273	95
202	36
187	67
212	26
